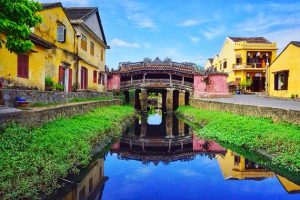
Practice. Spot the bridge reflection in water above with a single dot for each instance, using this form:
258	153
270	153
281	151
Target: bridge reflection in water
159	139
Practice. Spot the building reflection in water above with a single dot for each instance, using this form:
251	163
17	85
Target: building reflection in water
166	139
90	183
235	167
162	138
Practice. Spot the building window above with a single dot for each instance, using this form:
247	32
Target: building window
23	65
61	33
84	78
281	80
95	76
102	55
99	78
238	60
225	64
92	48
83	42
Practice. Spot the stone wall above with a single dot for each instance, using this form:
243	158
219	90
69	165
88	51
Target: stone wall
48	96
276	114
39	116
216	86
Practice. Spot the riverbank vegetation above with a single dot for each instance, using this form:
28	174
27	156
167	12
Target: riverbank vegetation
280	141
32	160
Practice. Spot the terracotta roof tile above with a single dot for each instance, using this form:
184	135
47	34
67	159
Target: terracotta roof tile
261	40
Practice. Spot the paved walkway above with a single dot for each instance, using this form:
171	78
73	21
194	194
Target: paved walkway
6	110
259	101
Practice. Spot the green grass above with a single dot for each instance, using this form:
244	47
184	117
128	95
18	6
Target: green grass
279	140
32	160
75	100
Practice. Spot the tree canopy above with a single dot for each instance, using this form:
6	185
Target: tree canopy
16	19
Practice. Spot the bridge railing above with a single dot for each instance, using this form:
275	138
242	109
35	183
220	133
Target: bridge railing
166	82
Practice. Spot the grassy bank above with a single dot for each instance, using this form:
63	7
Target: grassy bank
31	160
279	140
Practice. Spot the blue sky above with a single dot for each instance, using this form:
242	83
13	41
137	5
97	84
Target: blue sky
189	30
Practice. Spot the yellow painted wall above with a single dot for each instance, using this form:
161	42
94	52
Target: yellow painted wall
288	60
36	69
91	84
91	62
229	51
48	28
65	51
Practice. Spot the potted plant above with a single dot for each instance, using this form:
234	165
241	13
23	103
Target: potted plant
49	83
58	87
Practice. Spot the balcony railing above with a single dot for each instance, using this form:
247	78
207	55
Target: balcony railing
156	83
249	66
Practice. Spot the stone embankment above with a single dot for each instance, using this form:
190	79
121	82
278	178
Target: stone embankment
39	116
275	113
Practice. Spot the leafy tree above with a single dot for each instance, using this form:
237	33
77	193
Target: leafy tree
16	19
246	83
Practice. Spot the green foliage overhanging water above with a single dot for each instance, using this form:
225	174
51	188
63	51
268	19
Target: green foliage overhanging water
32	160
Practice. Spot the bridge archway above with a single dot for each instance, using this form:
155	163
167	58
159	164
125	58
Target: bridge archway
175	99
187	98
137	102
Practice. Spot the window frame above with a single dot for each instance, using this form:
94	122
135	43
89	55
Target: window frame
83	42
92	48
283	83
63	34
23	66
95	76
102	55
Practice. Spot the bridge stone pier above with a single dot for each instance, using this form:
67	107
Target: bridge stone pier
176	82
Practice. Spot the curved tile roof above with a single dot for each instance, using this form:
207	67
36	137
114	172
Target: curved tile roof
158	65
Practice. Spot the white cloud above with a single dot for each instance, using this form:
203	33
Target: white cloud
136	13
191	22
141	21
194	39
116	42
213	32
283	37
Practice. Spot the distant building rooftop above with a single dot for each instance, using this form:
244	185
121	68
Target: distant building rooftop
260	40
76	13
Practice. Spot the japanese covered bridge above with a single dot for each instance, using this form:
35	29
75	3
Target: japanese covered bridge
176	82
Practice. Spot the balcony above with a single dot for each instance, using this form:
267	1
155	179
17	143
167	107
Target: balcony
157	83
254	66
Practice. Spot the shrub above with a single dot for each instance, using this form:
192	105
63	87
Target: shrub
58	87
48	81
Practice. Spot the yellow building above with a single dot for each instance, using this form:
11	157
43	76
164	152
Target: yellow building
246	58
91	47
283	74
57	29
238	167
91	185
25	70
208	63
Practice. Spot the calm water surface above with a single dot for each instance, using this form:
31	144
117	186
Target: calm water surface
159	157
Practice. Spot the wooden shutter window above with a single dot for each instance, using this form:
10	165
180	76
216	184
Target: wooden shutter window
83	42
95	76
61	75
61	33
99	78
92	48
102	55
23	65
275	81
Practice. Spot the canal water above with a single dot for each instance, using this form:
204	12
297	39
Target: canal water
159	157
